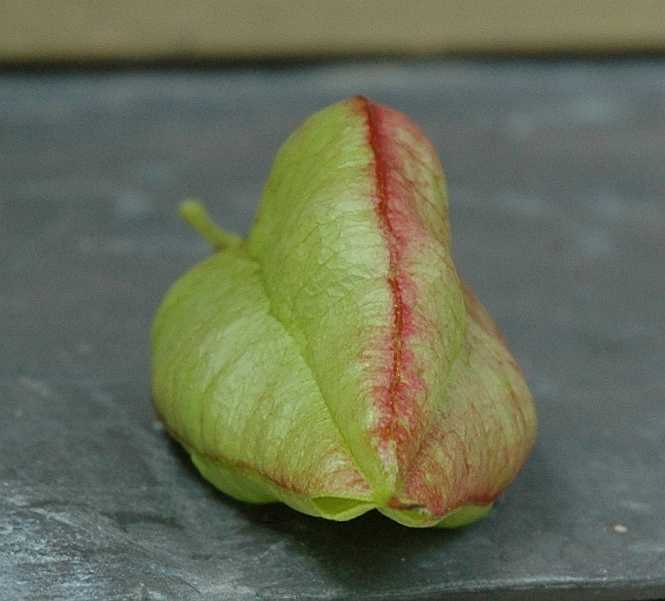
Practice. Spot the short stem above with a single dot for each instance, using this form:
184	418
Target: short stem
194	213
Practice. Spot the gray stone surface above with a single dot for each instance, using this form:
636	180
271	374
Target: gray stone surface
557	180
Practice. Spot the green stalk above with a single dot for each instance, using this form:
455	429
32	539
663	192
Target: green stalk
194	213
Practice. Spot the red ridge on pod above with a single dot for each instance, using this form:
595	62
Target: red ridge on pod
396	398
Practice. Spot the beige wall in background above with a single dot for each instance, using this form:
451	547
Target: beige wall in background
138	30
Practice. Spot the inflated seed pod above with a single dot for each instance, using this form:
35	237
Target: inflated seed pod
334	360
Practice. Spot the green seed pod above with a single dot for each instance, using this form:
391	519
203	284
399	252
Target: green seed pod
334	360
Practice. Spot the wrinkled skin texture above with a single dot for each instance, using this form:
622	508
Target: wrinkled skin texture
334	360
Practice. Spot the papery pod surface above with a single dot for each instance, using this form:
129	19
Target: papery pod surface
334	360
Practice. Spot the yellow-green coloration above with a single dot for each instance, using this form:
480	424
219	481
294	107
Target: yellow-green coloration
196	215
274	359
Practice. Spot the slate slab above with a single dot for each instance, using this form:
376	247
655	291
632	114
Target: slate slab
557	188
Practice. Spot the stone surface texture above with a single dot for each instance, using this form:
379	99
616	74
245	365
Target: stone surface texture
557	186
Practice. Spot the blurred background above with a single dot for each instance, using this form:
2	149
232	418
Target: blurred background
550	121
70	30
